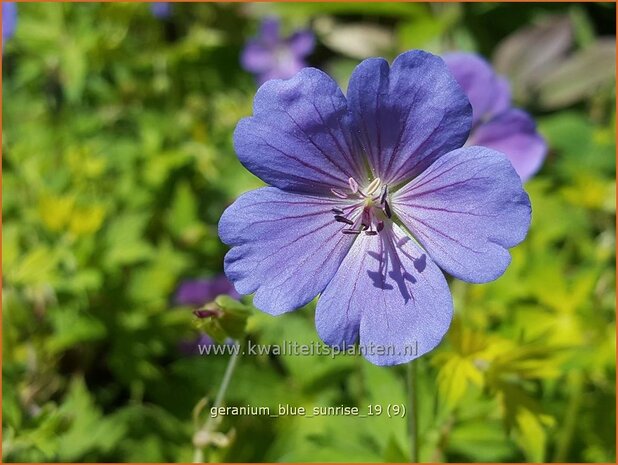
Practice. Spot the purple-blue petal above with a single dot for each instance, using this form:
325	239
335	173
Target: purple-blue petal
502	100
299	138
301	43
489	93
285	247
161	10
270	56
257	58
467	210
389	296
192	347
513	133
9	20
285	66
269	31
197	292
408	116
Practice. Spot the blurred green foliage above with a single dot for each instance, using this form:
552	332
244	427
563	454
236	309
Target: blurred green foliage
118	161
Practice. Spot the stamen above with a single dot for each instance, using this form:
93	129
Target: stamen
366	218
384	193
374	196
387	209
343	219
373	186
353	185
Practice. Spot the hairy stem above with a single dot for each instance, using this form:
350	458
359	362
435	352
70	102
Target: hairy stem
211	423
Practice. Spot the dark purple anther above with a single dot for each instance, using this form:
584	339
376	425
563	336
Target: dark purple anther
337	211
351	231
380	226
387	209
343	219
383	196
371	233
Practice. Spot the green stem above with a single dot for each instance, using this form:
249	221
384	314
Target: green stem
412	411
211	423
227	377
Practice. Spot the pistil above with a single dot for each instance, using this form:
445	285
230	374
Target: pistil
374	209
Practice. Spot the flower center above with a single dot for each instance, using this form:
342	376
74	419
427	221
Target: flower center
368	210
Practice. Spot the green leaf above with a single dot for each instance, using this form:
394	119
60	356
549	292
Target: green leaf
88	430
73	68
531	436
482	440
125	241
182	218
453	379
37	266
71	327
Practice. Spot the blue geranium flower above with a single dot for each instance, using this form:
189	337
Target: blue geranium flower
495	123
9	21
370	196
161	10
270	56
